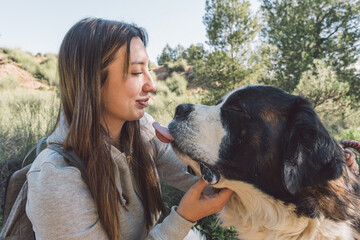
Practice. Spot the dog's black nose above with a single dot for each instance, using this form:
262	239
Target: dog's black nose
183	110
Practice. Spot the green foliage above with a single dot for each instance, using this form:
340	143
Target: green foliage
45	70
194	54
152	65
25	60
165	100
9	82
169	54
178	65
320	84
177	84
304	30
49	69
353	134
230	26
209	226
219	74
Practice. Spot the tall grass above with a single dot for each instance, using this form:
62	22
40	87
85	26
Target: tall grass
9	82
25	118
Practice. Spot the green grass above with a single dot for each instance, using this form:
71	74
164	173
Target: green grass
25	118
9	82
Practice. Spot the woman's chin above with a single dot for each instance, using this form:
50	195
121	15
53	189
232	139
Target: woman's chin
139	114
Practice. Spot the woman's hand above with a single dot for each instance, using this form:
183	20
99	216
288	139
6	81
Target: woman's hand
195	205
350	160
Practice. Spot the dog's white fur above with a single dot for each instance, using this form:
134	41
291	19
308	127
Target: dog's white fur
256	215
208	136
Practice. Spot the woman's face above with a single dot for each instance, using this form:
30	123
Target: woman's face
124	98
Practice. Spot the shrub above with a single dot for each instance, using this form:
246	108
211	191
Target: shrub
9	82
46	70
210	227
176	66
177	84
320	84
49	69
25	60
165	101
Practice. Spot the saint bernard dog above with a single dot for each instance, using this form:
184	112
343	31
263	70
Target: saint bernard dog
289	177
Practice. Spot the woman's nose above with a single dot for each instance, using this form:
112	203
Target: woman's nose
149	85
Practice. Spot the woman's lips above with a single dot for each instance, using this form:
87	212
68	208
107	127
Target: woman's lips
143	102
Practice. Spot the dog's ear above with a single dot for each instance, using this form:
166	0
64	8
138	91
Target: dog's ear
311	156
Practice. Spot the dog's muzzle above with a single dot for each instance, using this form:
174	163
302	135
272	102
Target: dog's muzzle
208	175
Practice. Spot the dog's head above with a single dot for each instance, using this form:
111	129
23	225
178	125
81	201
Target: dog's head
259	135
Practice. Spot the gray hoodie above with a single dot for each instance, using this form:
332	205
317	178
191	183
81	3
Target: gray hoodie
60	205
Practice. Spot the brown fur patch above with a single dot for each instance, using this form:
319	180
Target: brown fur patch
339	200
271	117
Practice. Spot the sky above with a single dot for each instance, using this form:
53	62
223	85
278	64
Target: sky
38	26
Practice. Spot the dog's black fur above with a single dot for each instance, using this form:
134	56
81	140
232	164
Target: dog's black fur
276	142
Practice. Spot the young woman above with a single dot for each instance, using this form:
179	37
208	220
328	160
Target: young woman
104	87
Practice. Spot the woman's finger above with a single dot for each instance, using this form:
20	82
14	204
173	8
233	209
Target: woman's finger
350	157
197	188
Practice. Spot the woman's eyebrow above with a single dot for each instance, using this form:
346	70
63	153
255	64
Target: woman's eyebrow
138	62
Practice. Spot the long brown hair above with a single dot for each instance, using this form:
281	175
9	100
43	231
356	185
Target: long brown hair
85	53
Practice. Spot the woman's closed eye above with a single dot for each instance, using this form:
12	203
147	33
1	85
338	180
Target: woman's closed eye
136	73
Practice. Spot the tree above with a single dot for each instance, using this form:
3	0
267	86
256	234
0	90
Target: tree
194	54
169	54
219	73
320	84
304	30
230	26
231	29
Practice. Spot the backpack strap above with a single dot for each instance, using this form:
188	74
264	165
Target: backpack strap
37	147
72	157
17	225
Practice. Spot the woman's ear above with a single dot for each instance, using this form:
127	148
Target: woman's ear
311	156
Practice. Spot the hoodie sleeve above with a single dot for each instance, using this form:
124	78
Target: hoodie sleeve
173	227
